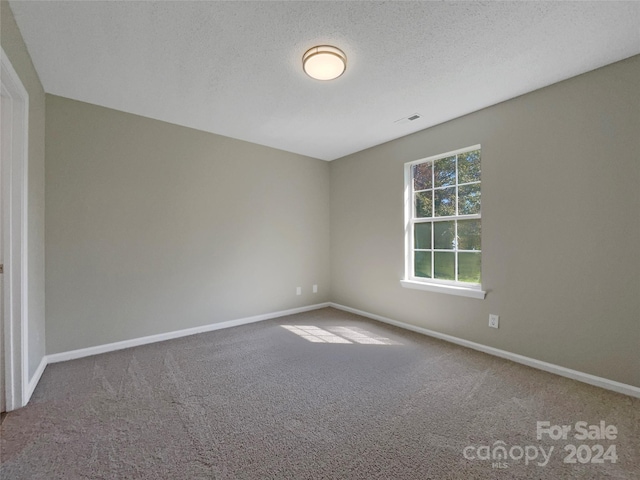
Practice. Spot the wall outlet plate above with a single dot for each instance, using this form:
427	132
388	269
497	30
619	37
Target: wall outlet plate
298	290
315	289
494	321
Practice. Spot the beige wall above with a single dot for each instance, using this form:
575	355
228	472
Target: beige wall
13	45
561	226
153	227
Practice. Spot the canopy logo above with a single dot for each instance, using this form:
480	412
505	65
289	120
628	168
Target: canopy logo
502	456
499	454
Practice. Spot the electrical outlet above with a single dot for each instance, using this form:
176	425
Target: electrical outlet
315	289
494	321
298	290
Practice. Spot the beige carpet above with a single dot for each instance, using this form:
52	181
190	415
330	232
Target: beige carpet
349	399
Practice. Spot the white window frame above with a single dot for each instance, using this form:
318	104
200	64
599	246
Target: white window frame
433	284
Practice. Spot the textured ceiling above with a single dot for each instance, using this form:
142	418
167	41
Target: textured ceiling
234	68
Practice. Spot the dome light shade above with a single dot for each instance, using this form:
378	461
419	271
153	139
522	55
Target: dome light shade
324	62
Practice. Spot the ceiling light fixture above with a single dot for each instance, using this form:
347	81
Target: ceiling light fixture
324	62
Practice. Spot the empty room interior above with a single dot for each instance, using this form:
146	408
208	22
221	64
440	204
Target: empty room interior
304	240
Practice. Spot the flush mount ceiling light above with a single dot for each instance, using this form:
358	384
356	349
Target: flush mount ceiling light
324	62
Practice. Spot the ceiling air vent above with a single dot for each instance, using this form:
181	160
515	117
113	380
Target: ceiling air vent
410	118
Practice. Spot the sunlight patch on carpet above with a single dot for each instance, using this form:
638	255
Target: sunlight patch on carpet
346	335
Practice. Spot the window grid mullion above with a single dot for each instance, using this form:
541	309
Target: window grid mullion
413	222
433	214
455	228
456	198
447	186
474	216
413	226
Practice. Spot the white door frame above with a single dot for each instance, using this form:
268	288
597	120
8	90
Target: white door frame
14	229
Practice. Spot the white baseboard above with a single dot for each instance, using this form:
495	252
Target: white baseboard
134	342
35	379
531	362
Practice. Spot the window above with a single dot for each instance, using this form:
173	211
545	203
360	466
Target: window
443	223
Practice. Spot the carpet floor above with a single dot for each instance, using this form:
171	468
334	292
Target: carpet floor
319	395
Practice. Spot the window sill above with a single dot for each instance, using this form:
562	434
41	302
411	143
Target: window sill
448	289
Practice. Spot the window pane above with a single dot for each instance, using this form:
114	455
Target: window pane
422	238
445	202
445	171
469	167
422	264
469	267
423	204
422	176
444	265
469	199
444	234
469	235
